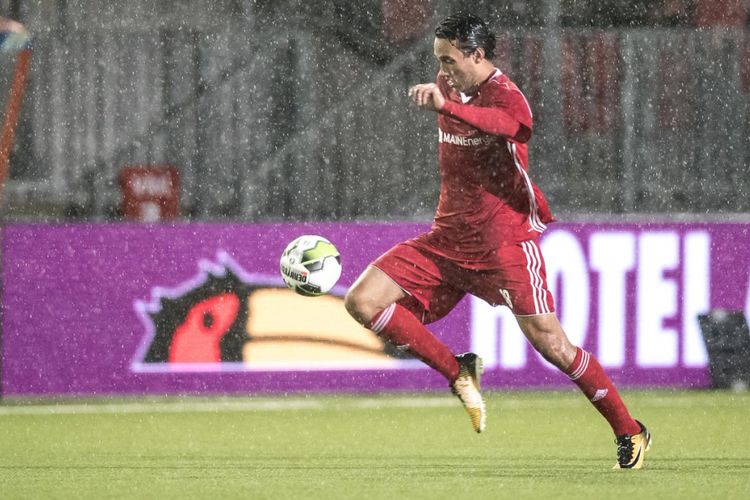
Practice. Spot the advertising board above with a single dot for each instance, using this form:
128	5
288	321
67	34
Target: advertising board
201	308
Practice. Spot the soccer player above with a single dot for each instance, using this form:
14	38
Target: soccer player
484	237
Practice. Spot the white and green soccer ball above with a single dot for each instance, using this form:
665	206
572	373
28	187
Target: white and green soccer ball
310	265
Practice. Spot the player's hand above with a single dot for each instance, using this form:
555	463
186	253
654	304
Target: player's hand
427	96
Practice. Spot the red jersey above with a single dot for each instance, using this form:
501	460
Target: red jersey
487	200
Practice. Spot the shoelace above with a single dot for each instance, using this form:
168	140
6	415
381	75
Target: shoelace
624	449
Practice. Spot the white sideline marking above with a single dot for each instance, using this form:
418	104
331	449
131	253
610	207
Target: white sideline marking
225	406
498	402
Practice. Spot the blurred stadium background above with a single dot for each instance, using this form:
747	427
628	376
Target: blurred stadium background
297	110
166	152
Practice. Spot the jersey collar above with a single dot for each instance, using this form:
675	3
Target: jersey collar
468	97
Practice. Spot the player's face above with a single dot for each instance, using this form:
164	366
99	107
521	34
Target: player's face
458	69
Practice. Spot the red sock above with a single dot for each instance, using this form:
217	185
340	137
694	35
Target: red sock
399	326
589	376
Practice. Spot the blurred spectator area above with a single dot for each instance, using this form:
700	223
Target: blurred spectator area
294	109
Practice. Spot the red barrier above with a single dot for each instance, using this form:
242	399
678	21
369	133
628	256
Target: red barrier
150	192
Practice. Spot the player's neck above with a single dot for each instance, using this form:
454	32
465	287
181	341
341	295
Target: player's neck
484	73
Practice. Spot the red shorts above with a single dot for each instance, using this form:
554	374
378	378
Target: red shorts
435	283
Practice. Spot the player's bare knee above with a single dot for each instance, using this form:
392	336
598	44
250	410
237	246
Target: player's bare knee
557	351
358	306
352	303
548	338
553	354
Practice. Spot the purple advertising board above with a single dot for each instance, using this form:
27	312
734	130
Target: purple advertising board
201	308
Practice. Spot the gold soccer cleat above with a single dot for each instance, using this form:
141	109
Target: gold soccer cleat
467	387
631	450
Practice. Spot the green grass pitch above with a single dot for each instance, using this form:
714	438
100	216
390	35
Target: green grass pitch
537	445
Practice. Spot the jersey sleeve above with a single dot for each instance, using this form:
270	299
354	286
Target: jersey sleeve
508	114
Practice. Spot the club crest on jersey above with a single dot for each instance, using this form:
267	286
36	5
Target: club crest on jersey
463	140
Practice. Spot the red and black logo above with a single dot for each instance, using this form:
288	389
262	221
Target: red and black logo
228	319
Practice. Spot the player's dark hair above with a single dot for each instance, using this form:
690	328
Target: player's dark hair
470	32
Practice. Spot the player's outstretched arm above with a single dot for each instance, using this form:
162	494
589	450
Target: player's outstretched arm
491	120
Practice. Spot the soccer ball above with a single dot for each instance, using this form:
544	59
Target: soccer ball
310	265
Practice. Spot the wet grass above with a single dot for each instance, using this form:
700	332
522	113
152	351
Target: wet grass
537	445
